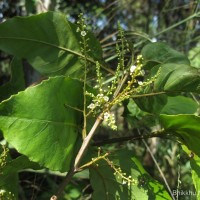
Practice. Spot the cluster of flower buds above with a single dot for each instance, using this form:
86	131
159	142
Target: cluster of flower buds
3	157
4	195
120	175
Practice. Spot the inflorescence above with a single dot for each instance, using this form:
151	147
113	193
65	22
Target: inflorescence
124	84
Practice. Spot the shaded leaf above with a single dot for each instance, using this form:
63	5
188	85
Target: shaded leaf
178	77
185	127
195	166
16	82
38	123
51	46
171	75
160	53
153	103
112	186
180	105
9	174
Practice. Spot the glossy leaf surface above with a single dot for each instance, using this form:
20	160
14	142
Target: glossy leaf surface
180	105
51	46
160	53
185	127
38	123
110	186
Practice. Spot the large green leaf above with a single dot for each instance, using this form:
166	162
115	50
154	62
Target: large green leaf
49	42
172	74
39	124
178	77
185	127
180	105
16	82
109	185
160	53
152	103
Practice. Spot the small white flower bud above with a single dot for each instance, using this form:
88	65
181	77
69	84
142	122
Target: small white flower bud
83	33
132	69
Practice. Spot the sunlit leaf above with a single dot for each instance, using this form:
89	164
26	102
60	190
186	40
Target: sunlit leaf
160	53
52	45
178	77
195	168
41	123
180	105
110	185
185	127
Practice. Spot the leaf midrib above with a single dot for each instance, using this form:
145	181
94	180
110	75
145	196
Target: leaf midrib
52	45
40	120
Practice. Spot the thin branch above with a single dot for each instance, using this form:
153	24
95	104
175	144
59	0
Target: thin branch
158	167
123	139
129	138
67	179
149	94
75	167
86	141
178	23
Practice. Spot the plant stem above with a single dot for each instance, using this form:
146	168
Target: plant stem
67	179
84	91
157	165
124	139
75	168
86	141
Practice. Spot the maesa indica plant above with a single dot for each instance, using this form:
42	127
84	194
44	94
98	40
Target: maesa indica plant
52	124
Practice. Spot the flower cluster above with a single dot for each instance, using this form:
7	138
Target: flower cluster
109	118
3	157
136	69
4	195
120	175
81	25
101	99
82	29
98	100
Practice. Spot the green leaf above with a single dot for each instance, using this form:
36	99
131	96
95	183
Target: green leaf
41	123
194	55
9	174
16	82
195	166
185	127
160	53
49	42
180	105
178	77
112	186
152	103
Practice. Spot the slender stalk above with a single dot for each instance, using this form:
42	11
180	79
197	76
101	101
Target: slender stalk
124	139
75	167
157	165
84	91
67	179
86	142
179	23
